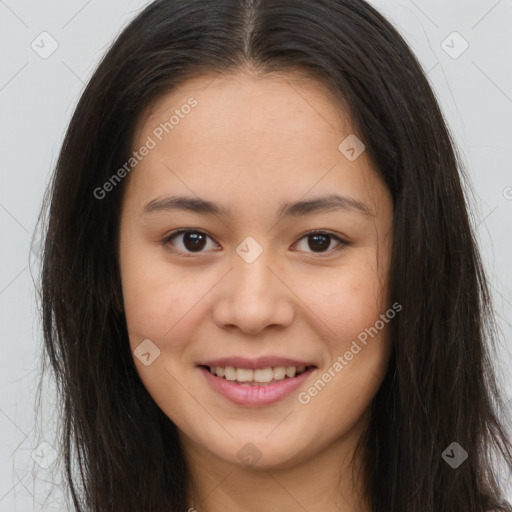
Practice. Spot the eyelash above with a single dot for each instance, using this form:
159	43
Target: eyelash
342	243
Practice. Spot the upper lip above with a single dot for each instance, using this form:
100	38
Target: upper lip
260	362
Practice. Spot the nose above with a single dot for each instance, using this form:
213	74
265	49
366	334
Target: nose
254	296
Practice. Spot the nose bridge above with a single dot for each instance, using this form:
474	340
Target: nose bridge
254	297
253	279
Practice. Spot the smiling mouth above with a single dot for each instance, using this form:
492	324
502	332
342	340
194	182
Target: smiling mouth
258	377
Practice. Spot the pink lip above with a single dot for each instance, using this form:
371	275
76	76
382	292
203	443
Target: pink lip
260	362
244	394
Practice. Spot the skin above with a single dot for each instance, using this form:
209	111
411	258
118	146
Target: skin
250	144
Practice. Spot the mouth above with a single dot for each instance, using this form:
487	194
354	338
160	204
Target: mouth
255	386
259	376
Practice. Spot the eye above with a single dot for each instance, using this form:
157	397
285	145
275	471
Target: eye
320	240
193	240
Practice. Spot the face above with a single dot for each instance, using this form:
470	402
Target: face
256	285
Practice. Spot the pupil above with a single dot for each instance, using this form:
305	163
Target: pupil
325	245
194	241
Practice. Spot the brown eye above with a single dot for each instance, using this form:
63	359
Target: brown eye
320	241
194	241
188	241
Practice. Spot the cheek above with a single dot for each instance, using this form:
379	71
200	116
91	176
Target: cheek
155	298
350	297
358	345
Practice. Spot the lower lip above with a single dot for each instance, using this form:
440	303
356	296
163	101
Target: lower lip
255	395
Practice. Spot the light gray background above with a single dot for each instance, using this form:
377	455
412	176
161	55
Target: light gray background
37	98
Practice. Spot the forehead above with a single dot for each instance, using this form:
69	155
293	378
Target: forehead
249	135
243	101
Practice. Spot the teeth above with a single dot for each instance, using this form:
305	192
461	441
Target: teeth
279	372
290	371
243	375
230	373
261	375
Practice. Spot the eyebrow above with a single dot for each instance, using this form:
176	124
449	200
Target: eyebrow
290	209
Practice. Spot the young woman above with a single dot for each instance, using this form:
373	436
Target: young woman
260	287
